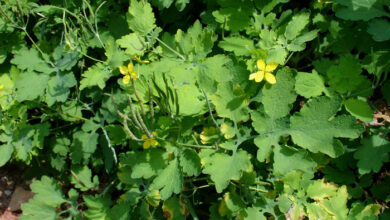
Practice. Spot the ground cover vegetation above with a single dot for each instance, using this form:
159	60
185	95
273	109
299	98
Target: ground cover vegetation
201	109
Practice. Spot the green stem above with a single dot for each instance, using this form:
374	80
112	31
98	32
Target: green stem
171	49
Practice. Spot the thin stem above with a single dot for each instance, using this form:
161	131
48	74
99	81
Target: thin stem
151	109
143	126
141	104
209	107
136	122
257	190
109	144
170	48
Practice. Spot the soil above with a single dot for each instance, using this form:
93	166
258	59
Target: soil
14	191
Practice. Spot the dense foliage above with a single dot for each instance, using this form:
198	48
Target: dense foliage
203	109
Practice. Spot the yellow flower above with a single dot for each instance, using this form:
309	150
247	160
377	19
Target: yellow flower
1	87
149	141
265	71
128	73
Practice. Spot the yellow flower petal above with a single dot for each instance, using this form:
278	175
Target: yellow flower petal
144	137
270	78
146	144
153	142
126	79
252	76
134	75
130	67
261	64
124	70
154	134
259	76
1	86
271	67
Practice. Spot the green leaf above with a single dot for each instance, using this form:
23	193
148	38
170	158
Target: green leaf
115	56
170	180
96	75
360	10
240	46
337	205
315	126
253	213
319	190
133	44
147	163
81	178
386	91
47	198
188	99
29	59
6	151
30	86
278	98
174	208
309	84
190	162
231	102
58	87
120	211
140	17
234	16
346	76
296	25
98	207
222	168
372	154
379	29
270	131
83	146
287	159
360	109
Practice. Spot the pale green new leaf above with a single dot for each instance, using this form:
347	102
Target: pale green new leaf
140	17
96	75
170	180
373	154
278	98
315	126
222	167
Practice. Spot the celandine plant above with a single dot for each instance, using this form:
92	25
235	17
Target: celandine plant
204	109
